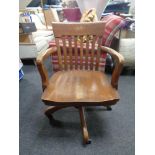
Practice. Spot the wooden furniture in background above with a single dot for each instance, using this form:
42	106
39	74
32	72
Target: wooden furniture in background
51	16
42	5
25	38
79	84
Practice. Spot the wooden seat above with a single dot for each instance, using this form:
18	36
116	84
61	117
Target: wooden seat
75	86
79	82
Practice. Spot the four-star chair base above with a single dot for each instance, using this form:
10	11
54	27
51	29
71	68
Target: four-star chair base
50	110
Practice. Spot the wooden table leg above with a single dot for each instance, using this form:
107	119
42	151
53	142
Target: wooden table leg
84	126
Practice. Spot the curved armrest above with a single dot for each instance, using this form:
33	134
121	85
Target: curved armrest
118	67
40	65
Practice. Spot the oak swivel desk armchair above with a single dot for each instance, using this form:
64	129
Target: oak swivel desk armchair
78	83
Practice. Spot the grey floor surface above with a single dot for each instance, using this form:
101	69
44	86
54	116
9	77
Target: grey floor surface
112	132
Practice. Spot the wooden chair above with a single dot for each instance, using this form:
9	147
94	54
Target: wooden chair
78	83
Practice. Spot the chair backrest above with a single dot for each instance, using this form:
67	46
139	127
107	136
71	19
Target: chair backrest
78	44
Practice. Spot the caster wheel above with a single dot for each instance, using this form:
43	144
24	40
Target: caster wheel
109	108
89	141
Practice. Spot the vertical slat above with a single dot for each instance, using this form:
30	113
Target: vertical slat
59	53
70	51
87	52
98	53
64	52
76	52
92	52
81	52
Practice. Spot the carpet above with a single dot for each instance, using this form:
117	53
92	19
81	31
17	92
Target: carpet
112	132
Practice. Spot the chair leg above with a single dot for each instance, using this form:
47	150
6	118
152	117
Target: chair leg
50	110
84	126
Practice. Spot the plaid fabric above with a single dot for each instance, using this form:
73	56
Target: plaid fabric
114	23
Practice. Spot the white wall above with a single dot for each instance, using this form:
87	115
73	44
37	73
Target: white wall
99	5
132	8
23	3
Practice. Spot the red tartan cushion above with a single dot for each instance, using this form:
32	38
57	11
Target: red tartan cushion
113	24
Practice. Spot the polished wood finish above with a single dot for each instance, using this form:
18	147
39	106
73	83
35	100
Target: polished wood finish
41	68
59	53
78	29
84	86
50	110
76	52
118	67
92	53
81	52
70	53
79	85
87	52
86	139
65	53
78	37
